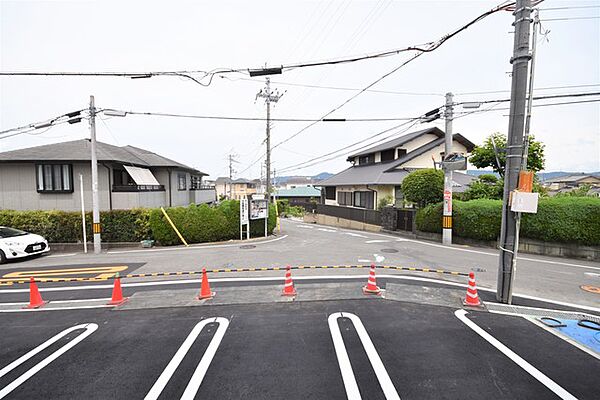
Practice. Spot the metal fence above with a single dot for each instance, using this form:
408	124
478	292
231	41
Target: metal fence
355	214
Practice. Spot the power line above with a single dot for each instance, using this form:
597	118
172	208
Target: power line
568	18
429	47
566	8
535	89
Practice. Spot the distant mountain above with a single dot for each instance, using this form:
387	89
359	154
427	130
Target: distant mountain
315	178
541	175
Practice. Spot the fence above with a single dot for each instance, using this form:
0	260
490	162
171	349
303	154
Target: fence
355	214
394	219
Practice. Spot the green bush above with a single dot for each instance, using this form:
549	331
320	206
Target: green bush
559	219
423	187
203	223
65	227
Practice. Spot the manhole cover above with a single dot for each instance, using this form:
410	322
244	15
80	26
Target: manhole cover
247	246
591	289
389	250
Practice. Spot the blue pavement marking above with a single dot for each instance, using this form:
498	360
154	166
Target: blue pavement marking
585	336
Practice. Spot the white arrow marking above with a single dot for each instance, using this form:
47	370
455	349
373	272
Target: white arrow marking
196	379
346	368
89	329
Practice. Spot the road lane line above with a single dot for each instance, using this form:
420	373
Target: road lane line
354	234
327	230
212	246
530	369
377	241
344	361
196	379
299	278
89	329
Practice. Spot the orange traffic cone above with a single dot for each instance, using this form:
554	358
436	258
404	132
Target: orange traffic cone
35	298
117	294
288	287
205	292
371	287
472	298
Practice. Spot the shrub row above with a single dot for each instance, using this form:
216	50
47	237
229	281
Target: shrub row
197	224
559	219
65	227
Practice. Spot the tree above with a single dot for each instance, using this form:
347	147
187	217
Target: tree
424	186
484	156
486	186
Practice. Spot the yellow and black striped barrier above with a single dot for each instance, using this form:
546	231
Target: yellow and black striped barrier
245	269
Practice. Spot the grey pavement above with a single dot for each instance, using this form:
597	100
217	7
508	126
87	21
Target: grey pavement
557	279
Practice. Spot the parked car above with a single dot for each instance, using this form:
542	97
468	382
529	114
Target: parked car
15	243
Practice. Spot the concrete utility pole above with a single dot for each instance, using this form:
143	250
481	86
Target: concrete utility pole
95	206
447	214
269	97
231	171
514	149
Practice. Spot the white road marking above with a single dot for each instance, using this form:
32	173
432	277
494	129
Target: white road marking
58	301
299	278
377	241
305	226
354	234
378	259
592	274
62	255
199	247
55	308
346	368
327	230
196	379
530	369
89	329
362	260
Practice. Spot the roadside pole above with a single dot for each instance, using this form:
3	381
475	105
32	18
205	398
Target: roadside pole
95	206
447	215
83	214
514	149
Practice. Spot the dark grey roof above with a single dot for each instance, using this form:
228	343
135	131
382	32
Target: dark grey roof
373	174
80	150
224	179
571	178
397	142
461	181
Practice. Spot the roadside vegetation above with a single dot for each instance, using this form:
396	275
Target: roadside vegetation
197	224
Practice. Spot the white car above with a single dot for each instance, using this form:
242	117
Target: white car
15	243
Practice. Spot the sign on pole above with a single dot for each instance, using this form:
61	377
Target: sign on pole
244	218
259	209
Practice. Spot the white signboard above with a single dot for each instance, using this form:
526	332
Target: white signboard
524	202
258	209
244	211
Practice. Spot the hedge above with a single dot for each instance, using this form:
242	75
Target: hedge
559	219
65	226
204	223
197	224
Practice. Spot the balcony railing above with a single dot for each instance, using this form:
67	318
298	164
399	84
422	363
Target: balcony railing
138	188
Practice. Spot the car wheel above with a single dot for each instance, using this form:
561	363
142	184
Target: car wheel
2	257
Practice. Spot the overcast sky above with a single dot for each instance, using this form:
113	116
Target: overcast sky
204	35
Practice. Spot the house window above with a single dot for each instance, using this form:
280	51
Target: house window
368	159
400	153
330	192
398	197
54	178
181	182
364	200
344	198
196	182
387	155
122	178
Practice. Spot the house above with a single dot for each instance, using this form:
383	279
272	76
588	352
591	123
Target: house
571	181
236	189
299	181
378	172
48	178
298	195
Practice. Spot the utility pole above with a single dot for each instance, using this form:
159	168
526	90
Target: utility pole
231	172
95	206
447	215
269	97
514	149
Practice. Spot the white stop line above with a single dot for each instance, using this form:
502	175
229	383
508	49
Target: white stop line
346	368
89	329
196	380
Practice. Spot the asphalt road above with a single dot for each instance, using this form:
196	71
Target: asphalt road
276	351
557	279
